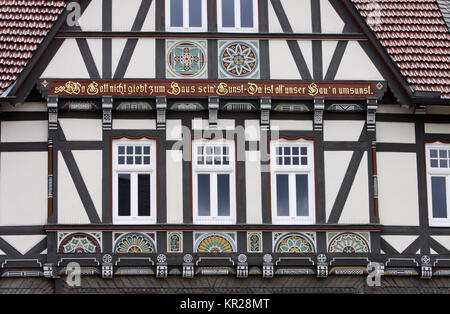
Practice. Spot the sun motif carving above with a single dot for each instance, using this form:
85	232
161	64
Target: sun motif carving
294	243
239	59
79	243
134	243
215	244
348	243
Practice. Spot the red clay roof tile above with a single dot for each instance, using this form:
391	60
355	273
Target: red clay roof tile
23	26
416	37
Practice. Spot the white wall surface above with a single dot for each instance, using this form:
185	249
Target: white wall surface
397	188
82	129
23	188
174	168
24	131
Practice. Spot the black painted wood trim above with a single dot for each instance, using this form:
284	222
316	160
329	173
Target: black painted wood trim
79	183
130	45
88	59
293	44
24	147
38	248
347	182
387	248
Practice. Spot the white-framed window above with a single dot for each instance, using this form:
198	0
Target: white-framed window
134	181
213	181
438	183
186	15
237	15
292	181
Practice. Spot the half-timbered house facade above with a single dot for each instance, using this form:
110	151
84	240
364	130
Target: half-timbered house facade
173	140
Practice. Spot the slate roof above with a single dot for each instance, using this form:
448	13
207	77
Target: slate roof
23	26
416	36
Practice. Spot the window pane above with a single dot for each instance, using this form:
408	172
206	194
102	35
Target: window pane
282	195
124	194
204	195
176	13
223	194
121	150
143	195
138	150
301	185
434	163
195	13
246	13
439	197
228	13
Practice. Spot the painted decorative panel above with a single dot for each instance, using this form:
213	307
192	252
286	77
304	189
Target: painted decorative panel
294	242
186	59
79	242
348	242
254	242
134	242
214	242
174	242
238	59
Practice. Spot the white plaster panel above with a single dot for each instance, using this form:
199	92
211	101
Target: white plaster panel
306	48
395	132
149	23
443	240
400	243
82	129
438	109
142	63
134	124
336	164
298	13
442	128
70	207
174	168
294	125
24	131
124	13
23	243
252	130
253	187
397	188
90	165
173	130
328	48
96	47
282	64
274	23
342	130
356	65
67	62
394	109
27	106
117	47
23	188
356	208
91	20
330	19
222	124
